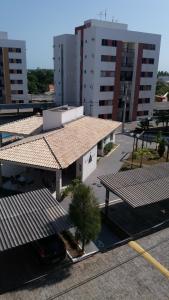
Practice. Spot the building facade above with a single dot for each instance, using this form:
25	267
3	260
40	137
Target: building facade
112	70
13	74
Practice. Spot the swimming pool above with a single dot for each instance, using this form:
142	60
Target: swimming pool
6	135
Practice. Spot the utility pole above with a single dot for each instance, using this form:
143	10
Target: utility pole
124	106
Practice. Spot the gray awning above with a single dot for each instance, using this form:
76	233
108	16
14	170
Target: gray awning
140	186
28	217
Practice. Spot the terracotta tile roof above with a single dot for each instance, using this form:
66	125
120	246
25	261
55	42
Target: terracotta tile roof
59	148
24	127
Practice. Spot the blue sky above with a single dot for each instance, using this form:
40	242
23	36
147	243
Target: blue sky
37	21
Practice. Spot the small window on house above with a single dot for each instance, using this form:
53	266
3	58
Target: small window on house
80	168
85	41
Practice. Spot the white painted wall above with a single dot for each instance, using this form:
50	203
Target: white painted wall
54	118
69	65
83	167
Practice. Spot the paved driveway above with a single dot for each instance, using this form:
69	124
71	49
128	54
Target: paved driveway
106	165
109	164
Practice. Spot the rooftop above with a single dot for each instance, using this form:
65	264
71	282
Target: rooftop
140	187
24	127
57	149
30	216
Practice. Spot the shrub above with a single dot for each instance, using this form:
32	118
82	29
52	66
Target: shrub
108	147
161	148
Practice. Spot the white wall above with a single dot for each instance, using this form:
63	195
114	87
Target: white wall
86	167
69	64
54	118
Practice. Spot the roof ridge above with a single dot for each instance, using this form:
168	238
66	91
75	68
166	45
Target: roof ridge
44	138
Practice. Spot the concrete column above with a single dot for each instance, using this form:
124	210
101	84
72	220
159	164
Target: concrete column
107	202
58	184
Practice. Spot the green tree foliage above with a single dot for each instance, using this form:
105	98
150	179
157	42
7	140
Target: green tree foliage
162	88
85	214
161	147
39	79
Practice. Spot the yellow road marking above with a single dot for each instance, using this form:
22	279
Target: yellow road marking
149	258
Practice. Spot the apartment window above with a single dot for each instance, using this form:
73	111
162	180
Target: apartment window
16	92
15	61
93	39
86	41
85	71
107	73
142	113
15	71
147	60
149	46
143	100
108	58
145	87
17	50
16	81
85	56
111	43
101	116
106	88
146	74
105	102
19	71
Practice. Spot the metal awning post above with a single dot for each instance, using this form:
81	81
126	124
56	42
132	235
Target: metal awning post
107	202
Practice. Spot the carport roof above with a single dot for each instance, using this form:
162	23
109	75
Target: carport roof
140	187
28	217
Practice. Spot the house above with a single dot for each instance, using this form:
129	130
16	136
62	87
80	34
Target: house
67	146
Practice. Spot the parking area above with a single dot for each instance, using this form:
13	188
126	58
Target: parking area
120	273
22	265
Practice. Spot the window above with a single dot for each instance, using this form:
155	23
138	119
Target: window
16	92
147	74
149	46
15	71
145	87
143	100
111	43
106	88
90	159
108	58
93	39
142	113
105	102
107	73
86	41
147	60
101	116
85	71
17	50
16	81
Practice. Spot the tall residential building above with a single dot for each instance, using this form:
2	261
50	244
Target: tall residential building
106	67
13	74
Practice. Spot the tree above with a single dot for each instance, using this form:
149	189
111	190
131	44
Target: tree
39	80
161	147
85	214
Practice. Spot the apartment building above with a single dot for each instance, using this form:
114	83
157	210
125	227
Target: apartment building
13	74
108	69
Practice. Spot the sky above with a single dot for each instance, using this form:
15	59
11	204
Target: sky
37	21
